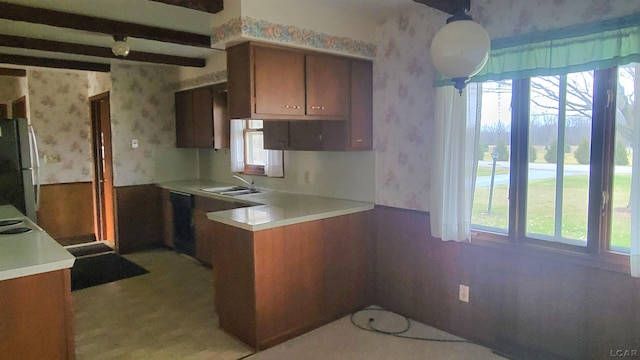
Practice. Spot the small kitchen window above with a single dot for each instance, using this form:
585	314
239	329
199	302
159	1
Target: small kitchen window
248	155
254	153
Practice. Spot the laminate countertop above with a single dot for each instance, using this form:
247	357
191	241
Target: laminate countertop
29	253
269	208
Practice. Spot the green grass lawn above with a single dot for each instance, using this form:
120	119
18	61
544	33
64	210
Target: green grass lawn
541	208
486	171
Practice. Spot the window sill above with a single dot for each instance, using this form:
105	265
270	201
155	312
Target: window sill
604	261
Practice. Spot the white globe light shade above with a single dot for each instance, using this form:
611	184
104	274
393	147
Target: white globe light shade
120	48
460	49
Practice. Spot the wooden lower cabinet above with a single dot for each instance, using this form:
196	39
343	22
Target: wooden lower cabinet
272	285
167	218
203	227
36	317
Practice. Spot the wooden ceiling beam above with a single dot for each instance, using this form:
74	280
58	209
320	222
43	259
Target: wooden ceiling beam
13	72
448	6
34	15
210	6
90	50
53	63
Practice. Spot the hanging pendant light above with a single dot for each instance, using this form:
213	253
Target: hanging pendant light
460	49
120	46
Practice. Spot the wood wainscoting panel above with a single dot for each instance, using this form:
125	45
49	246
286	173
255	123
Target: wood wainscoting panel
66	211
522	303
138	217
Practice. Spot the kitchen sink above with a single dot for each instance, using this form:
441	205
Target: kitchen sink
232	190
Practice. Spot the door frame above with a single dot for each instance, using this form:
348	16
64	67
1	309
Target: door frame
103	199
19	108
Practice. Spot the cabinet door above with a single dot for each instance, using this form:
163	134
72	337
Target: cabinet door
279	81
305	135
221	120
327	86
202	117
184	119
361	129
275	135
203	227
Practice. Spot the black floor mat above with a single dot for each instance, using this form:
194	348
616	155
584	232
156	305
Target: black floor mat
90	249
102	269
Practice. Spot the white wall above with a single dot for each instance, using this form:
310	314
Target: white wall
345	175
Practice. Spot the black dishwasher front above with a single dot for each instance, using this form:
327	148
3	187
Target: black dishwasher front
183	233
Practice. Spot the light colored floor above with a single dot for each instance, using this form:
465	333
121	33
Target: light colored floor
169	314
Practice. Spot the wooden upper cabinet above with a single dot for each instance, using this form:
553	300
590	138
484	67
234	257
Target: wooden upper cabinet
184	119
361	124
221	120
327	86
268	82
279	81
202	118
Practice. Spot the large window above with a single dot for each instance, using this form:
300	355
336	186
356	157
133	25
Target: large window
554	159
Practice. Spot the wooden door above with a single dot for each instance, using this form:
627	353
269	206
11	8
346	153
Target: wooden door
279	81
103	167
3	111
184	119
327	86
361	129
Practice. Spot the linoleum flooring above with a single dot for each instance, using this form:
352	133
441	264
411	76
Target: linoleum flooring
169	314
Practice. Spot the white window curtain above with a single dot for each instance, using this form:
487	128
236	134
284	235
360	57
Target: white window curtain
635	190
455	141
273	163
237	145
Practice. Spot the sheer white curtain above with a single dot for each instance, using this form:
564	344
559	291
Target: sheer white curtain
237	145
455	142
273	163
635	189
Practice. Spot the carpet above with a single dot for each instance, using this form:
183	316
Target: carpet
90	249
101	269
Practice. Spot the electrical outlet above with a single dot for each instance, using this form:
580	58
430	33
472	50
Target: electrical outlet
464	293
134	143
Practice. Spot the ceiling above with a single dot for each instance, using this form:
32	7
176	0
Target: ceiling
24	37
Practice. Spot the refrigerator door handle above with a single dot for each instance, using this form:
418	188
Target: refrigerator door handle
36	164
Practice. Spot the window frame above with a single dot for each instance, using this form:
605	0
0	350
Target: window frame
597	252
250	169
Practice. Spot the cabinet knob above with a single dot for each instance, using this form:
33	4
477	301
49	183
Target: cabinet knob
292	106
358	140
317	107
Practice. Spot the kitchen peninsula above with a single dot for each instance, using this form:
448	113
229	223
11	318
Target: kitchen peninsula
286	263
35	293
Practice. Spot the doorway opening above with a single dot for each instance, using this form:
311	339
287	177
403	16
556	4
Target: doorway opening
103	168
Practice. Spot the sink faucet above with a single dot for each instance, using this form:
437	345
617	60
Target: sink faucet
252	184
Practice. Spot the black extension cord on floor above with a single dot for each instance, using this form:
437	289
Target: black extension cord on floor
371	327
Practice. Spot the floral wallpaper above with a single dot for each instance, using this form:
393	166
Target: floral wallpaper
59	113
403	75
142	108
99	82
246	26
